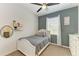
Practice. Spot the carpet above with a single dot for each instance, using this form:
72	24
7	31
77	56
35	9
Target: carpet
51	50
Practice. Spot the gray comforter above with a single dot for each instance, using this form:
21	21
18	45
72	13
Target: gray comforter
37	41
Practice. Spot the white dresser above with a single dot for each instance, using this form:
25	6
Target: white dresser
74	44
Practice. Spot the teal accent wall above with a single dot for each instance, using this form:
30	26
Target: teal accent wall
42	22
65	29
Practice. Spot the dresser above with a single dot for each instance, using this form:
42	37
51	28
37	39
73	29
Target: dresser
74	44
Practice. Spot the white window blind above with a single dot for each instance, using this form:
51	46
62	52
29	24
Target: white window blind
52	25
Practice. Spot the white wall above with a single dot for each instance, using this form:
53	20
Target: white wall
10	12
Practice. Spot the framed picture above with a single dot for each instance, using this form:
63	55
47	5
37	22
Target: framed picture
67	20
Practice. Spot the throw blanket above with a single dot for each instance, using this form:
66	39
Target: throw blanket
37	41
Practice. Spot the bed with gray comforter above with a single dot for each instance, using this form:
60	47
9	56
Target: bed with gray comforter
37	41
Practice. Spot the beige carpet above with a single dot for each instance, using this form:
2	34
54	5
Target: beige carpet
51	50
16	53
54	50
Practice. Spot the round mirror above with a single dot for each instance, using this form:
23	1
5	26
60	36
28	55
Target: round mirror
6	31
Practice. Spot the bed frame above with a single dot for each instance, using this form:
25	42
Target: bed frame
28	49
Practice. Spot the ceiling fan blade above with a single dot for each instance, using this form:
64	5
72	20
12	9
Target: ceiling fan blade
37	4
39	9
50	4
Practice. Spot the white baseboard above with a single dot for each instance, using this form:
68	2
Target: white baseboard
59	45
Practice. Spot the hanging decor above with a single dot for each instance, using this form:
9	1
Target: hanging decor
17	25
6	31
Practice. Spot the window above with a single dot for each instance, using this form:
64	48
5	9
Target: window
52	24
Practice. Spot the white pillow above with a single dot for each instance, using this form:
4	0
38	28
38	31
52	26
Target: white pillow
43	33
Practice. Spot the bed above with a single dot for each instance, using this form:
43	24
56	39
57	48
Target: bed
32	45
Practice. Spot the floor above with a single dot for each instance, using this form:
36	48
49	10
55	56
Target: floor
16	53
54	50
51	50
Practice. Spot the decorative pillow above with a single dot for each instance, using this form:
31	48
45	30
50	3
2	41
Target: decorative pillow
42	33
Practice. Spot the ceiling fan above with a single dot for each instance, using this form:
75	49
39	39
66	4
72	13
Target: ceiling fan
44	5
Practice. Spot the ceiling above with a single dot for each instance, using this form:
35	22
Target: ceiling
50	9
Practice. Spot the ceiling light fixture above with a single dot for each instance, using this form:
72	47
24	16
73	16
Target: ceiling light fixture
44	6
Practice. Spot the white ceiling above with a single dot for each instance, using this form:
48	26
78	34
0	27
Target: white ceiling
50	9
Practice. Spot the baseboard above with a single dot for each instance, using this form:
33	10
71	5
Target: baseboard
59	45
